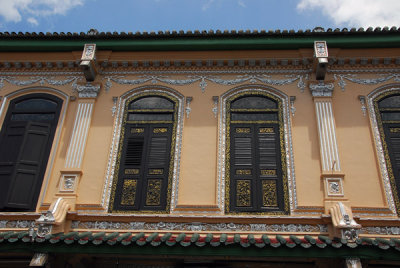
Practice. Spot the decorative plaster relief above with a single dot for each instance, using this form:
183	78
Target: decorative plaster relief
68	183
252	78
321	89
198	226
382	78
88	90
41	80
17	224
379	147
334	187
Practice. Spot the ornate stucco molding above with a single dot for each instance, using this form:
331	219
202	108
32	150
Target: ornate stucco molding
292	195
203	79
378	143
88	90
117	134
41	80
382	78
199	226
321	89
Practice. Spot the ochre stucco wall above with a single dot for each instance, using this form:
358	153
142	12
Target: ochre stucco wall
198	179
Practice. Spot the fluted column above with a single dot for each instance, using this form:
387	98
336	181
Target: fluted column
72	172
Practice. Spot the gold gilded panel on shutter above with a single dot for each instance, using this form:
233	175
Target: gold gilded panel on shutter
153	196
242	130
160	130
269	194
243	193
131	171
268	172
137	130
266	130
156	171
243	171
128	192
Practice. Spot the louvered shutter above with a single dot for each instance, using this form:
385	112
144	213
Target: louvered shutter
144	168
25	144
255	168
392	133
27	178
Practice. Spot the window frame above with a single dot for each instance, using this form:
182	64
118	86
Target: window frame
283	155
173	147
59	113
386	162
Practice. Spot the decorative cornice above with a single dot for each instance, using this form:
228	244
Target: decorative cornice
88	90
321	89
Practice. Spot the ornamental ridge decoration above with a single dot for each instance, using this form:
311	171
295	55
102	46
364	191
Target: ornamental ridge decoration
198	226
41	80
341	78
253	78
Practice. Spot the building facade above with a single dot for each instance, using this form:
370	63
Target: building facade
200	149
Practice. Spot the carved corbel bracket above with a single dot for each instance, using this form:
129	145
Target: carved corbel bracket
344	225
320	59
88	62
53	218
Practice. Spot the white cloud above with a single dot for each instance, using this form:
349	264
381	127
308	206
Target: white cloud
357	13
207	5
241	3
16	10
33	21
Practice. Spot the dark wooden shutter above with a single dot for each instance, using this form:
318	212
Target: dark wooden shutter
392	133
25	143
256	174
10	147
144	168
26	178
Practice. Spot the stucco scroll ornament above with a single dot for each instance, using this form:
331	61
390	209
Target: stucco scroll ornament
353	78
53	218
266	79
353	263
41	80
88	90
321	89
343	222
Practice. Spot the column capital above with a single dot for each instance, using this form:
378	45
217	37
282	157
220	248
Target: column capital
88	90
321	89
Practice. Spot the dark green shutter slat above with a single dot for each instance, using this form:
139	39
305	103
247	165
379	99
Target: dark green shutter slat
134	152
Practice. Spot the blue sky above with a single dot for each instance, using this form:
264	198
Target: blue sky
155	15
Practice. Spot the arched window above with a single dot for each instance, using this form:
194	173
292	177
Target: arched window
145	158
256	180
387	108
25	142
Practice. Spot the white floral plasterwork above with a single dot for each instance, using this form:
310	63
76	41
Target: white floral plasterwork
199	226
341	78
41	80
190	79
